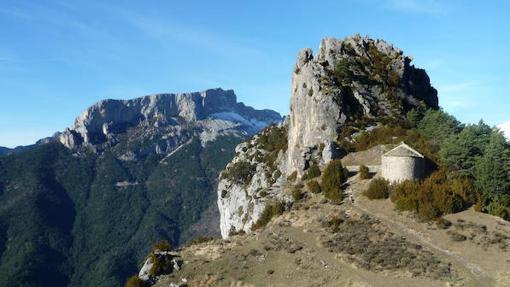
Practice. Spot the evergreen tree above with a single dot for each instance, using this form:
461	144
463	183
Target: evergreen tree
332	179
415	115
437	125
460	152
493	168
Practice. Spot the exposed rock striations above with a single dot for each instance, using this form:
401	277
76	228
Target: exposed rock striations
212	112
349	85
349	81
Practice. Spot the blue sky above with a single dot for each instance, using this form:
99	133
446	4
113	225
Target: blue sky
59	57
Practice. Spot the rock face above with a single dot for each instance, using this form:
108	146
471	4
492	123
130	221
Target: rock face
213	110
350	85
349	80
251	181
167	262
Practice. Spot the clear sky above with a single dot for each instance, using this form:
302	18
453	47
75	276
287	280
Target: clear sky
59	57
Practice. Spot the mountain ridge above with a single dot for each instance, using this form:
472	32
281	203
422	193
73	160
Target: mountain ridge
108	117
95	197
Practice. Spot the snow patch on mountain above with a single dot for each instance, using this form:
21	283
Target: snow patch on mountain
235	117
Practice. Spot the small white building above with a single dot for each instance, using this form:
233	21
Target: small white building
402	163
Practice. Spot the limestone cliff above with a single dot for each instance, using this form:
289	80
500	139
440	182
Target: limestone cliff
212	111
349	85
348	82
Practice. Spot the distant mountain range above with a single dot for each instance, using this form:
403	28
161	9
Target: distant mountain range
83	207
6	150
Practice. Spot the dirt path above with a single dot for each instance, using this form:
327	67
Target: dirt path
354	201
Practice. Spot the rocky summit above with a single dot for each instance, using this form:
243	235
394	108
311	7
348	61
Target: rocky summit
349	85
214	111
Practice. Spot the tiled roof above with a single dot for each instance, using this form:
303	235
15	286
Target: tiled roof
403	150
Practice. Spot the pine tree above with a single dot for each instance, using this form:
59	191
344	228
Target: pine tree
437	125
493	168
460	152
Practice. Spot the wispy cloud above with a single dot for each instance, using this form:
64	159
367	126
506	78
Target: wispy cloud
435	7
167	31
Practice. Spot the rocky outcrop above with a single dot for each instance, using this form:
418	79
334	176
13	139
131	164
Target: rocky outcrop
252	180
346	83
350	85
212	111
159	263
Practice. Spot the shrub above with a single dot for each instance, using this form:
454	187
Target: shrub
199	240
478	207
134	281
439	194
334	223
404	195
271	210
240	172
378	189
457	236
156	265
499	206
364	173
312	172
442	223
313	186
273	138
234	232
292	176
342	72
332	179
162	245
297	194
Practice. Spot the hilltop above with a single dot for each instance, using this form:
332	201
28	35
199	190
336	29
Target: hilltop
291	213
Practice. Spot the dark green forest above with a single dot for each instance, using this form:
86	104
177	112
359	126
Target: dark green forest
89	219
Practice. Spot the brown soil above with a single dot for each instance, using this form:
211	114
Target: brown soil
357	243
